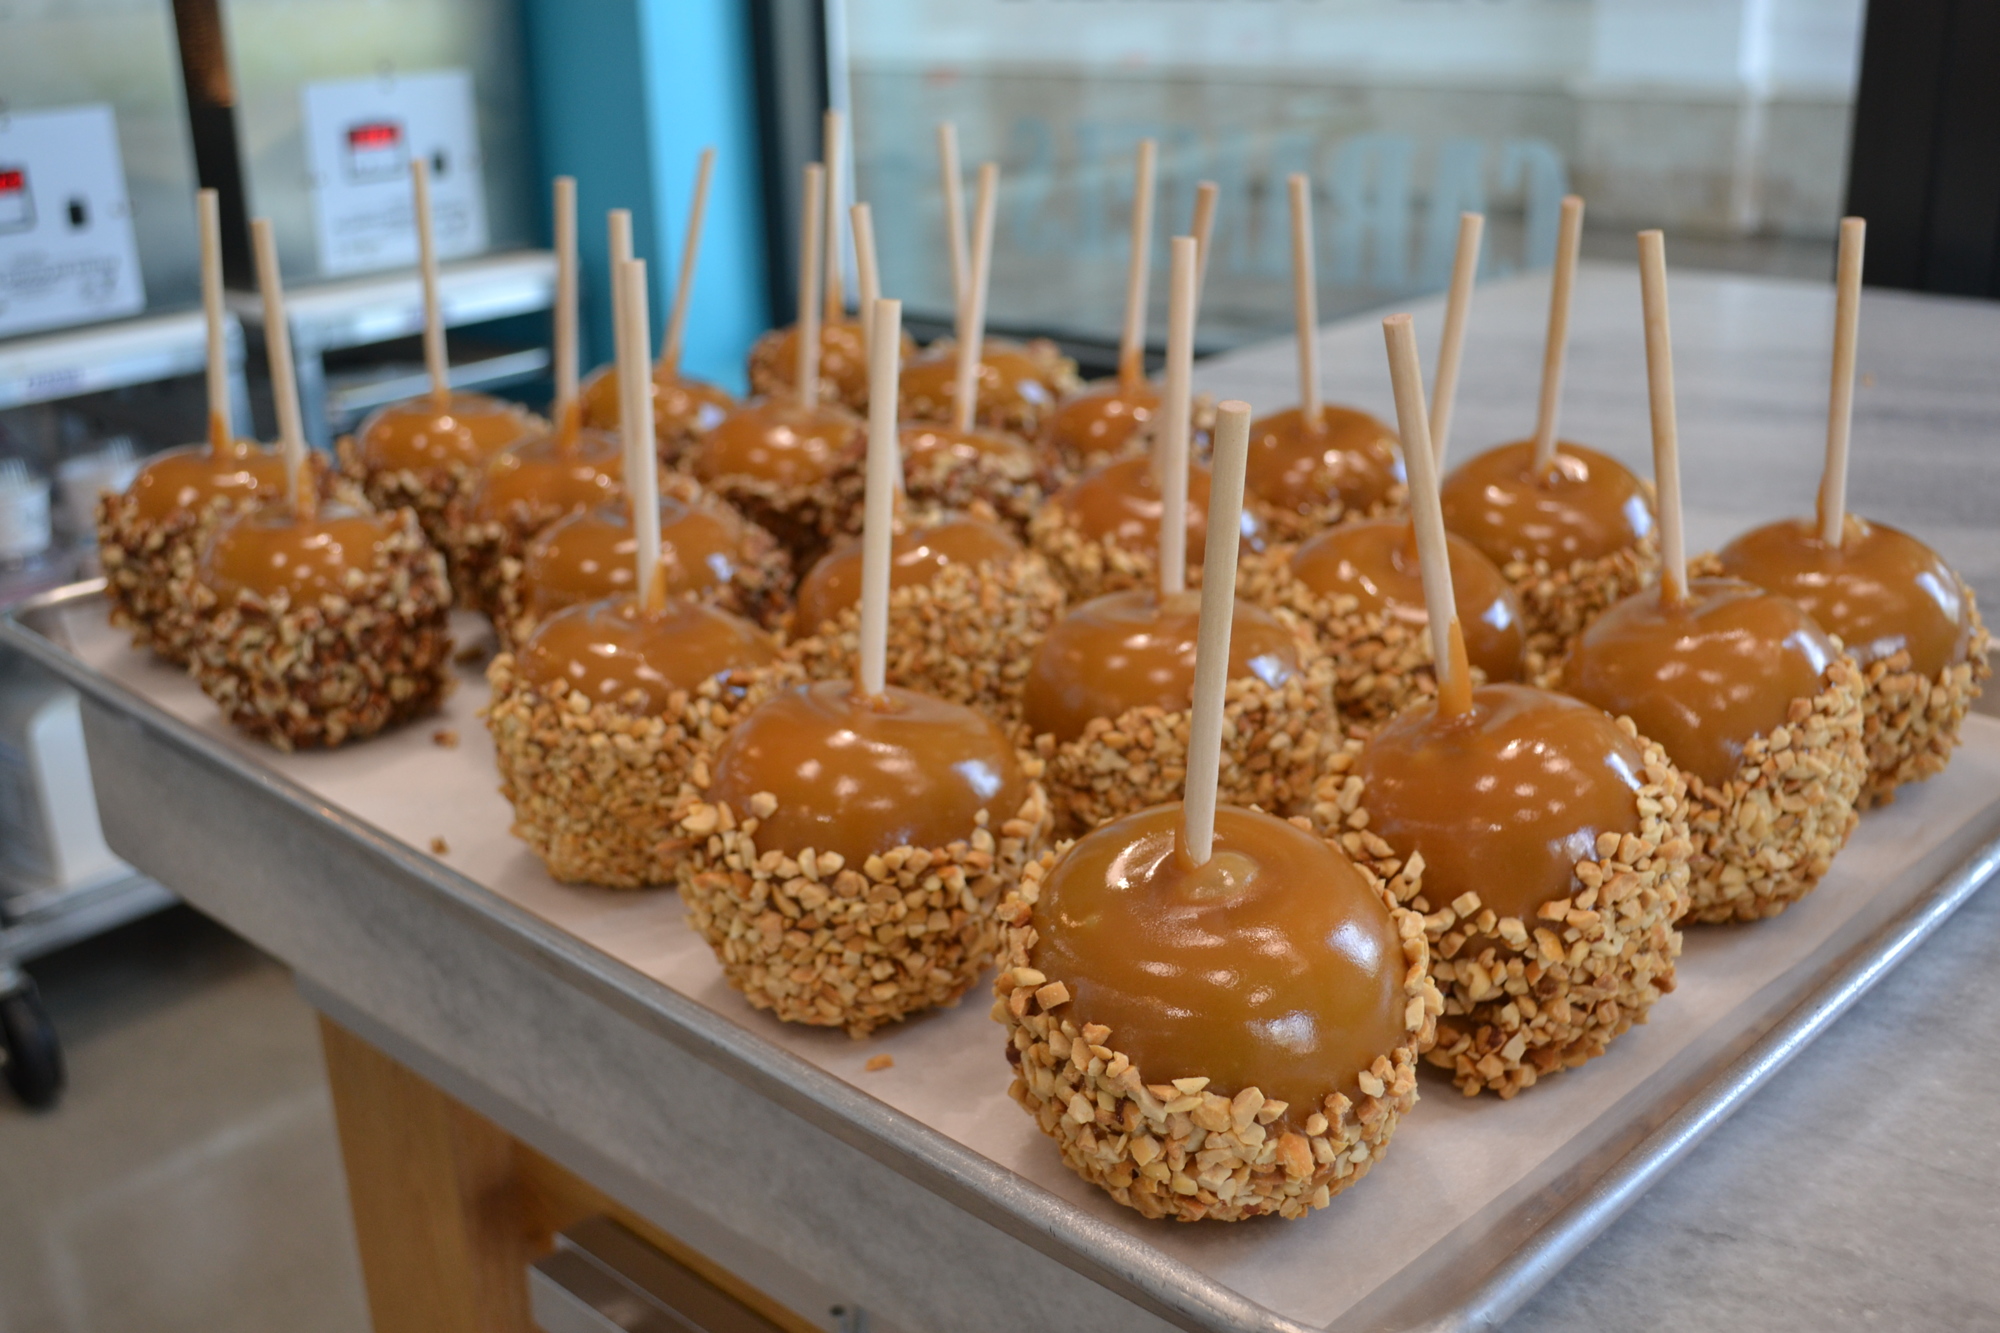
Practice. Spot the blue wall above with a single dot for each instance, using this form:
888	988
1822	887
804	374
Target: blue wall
627	93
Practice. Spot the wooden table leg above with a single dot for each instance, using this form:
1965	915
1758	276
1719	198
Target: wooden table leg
449	1209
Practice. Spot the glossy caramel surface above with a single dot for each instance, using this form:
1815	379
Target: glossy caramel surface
915	557
1374	561
843	355
1351	455
1120	505
858	776
1586	507
1101	420
779	441
1272	965
188	478
1131	649
267	550
923	442
1705	677
541	473
416	434
1881	591
1008	374
680	406
610	647
593	554
1505	799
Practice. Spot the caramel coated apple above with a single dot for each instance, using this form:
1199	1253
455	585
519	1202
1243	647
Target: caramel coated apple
608	649
1584	507
780	442
1304	475
269	552
421	435
187	479
529	484
1136	649
917	555
590	555
1374	561
1704	676
683	408
1100	422
843	362
1018	384
861	775
1274	965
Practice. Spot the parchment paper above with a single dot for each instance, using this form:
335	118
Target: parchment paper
1458	1168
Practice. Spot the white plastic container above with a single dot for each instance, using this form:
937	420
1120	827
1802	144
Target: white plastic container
24	512
50	837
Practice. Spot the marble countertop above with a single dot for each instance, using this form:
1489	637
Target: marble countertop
1858	1190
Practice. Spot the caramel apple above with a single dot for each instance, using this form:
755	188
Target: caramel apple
603	718
843	363
525	488
707	552
968	608
792	469
1019	384
1555	850
684	408
1360	586
1100	423
1906	617
1303	477
1101	532
955	469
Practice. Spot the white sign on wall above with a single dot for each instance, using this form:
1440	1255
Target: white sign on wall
67	250
360	137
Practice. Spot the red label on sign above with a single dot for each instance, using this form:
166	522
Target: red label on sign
12	180
381	134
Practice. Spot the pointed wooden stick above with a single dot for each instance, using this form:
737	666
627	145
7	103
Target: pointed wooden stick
833	152
208	212
1139	269
670	355
435	358
1433	554
642	477
885	465
1305	299
1840	403
1569	241
618	231
1203	231
1464	271
1666	430
1218	611
867	275
1171	457
807	370
284	379
565	311
972	316
953	181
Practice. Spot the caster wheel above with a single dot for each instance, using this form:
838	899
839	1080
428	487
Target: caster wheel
34	1065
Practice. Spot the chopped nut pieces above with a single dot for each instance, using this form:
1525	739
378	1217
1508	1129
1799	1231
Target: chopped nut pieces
1091	568
1184	1149
803	519
1294	525
877	1063
1558	604
1910	723
439	847
816	940
1764	838
1009	409
445	738
1525	999
968	636
1273	740
594	785
340	669
1009	485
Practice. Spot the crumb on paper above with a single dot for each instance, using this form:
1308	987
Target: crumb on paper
445	738
439	847
877	1063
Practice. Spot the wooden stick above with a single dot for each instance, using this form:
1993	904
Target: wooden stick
1840	403
954	211
833	153
565	312
642	477
1412	421
867	275
1203	231
284	378
1305	299
435	357
885	464
807	370
1666	431
1569	240
670	355
208	213
972	314
1218	611
1171	455
619	225
1464	270
1139	270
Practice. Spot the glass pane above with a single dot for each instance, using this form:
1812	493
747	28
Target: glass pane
1724	121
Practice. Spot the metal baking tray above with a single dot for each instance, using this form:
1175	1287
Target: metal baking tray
1477	1204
